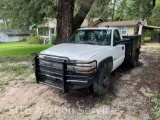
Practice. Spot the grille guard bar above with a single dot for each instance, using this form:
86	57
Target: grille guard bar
63	76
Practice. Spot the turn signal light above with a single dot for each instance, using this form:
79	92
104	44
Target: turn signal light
92	71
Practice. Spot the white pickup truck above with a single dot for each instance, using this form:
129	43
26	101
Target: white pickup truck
86	59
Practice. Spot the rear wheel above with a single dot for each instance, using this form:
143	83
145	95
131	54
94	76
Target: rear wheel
134	61
101	85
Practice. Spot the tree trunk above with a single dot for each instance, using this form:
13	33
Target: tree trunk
114	5
66	23
82	13
64	20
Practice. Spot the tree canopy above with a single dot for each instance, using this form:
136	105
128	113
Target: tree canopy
23	13
71	13
154	17
134	9
101	9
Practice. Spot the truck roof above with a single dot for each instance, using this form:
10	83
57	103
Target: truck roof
99	28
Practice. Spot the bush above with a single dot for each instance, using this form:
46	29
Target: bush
35	39
53	39
154	34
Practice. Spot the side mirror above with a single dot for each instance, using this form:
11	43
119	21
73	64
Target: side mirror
116	43
67	41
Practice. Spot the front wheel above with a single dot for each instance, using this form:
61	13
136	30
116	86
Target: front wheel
101	85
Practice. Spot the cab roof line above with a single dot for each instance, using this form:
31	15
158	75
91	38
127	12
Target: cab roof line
99	28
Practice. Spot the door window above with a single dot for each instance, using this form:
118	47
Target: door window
116	36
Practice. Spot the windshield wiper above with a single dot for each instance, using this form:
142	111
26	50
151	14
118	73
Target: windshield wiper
88	42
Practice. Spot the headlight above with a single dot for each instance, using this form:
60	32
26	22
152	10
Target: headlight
41	56
89	66
83	68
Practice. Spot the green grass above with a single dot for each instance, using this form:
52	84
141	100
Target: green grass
11	55
17	69
147	38
31	104
158	51
156	108
20	50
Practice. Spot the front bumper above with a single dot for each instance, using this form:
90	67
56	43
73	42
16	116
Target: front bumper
54	71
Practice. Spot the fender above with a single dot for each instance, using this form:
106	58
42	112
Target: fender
108	59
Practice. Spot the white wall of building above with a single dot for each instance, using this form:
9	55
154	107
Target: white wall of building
5	38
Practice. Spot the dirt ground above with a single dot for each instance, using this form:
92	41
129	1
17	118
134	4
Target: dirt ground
129	97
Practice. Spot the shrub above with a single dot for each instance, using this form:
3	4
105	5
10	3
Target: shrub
53	39
154	34
35	39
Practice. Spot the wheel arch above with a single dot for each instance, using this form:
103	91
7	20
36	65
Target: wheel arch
108	59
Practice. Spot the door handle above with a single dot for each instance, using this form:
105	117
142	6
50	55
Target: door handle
122	48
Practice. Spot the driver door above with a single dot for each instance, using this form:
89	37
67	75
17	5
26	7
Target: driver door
119	50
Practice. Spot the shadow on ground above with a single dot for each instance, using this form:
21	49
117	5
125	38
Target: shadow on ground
84	98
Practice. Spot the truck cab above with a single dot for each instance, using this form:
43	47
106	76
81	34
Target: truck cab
86	59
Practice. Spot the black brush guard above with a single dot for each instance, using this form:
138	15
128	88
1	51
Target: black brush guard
52	71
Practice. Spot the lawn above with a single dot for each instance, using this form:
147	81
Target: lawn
20	49
147	38
15	58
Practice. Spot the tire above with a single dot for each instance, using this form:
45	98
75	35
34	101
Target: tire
102	83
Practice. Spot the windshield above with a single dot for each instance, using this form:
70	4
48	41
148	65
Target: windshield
95	37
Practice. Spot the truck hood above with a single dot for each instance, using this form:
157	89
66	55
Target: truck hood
75	51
